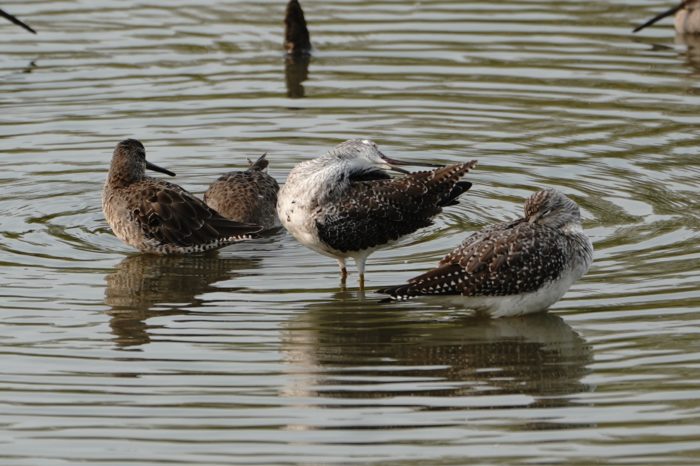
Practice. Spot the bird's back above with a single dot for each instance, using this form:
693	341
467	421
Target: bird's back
530	264
160	217
249	196
369	214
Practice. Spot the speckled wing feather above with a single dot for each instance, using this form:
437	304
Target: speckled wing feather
170	215
373	213
508	259
259	165
489	231
249	196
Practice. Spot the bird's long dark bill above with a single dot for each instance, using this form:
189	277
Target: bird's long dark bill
659	17
394	164
156	168
15	20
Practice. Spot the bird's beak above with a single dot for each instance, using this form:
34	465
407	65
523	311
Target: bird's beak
156	168
16	21
660	17
393	163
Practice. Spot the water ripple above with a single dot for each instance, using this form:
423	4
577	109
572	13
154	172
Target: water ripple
255	355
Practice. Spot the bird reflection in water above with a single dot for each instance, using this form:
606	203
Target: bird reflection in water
357	350
145	286
297	43
296	71
691	54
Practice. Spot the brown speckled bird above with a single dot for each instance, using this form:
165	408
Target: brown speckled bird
345	203
159	217
512	268
249	196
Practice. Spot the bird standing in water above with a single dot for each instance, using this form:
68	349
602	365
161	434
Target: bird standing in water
345	203
512	268
249	196
686	20
159	217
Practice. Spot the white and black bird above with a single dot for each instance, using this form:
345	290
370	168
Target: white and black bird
158	217
512	268
345	204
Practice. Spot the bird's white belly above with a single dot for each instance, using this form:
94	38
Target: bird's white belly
520	304
296	216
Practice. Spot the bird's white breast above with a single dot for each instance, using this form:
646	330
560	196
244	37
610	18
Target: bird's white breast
520	304
297	205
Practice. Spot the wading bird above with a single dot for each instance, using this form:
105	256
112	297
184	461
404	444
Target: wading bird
249	196
345	204
158	217
512	268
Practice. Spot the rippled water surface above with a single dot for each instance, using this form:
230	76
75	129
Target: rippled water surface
255	355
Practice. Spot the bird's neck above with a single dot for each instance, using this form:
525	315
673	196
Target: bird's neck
323	182
122	178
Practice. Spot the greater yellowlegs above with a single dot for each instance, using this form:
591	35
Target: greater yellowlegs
249	196
345	204
159	217
512	268
686	20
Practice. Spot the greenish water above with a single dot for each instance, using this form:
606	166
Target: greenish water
255	355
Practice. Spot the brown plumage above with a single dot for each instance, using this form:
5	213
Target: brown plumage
529	263
159	217
345	204
249	196
376	212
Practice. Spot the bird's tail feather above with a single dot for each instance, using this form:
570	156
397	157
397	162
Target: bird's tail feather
396	293
457	190
260	164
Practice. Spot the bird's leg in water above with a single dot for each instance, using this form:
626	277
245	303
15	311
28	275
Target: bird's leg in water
343	271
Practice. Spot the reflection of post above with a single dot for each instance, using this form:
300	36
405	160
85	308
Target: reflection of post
296	71
297	43
350	346
145	286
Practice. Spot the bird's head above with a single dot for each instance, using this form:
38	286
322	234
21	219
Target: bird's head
129	162
551	208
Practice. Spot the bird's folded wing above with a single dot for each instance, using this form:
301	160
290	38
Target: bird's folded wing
499	262
373	213
170	215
